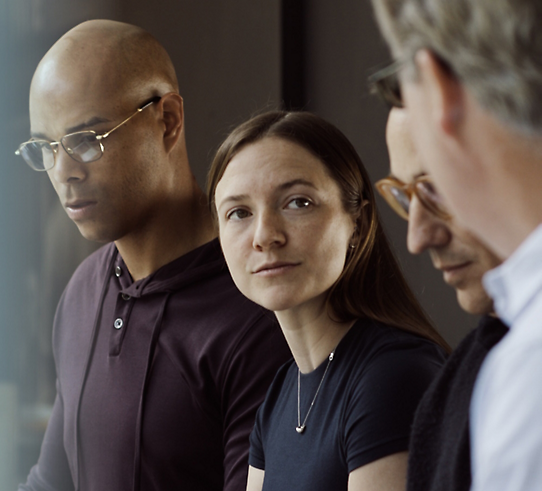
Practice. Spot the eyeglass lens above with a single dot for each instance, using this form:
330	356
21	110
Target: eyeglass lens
385	84
389	91
39	154
401	198
82	146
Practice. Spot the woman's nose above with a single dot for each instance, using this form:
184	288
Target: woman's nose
269	232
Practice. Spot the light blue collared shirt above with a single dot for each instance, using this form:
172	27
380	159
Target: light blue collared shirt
506	407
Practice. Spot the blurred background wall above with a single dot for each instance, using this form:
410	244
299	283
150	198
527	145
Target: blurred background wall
234	58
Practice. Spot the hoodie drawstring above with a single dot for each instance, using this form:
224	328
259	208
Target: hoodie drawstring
139	425
89	358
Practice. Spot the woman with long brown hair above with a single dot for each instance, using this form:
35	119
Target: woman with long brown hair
301	235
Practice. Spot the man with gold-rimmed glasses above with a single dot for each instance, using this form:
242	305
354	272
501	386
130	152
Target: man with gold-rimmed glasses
161	363
82	146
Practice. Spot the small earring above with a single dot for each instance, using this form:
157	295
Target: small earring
352	246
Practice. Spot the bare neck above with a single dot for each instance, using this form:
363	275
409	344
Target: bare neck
311	335
180	226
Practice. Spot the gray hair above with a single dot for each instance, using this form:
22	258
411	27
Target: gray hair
494	47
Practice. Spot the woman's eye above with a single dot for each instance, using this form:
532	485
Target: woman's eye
298	203
237	214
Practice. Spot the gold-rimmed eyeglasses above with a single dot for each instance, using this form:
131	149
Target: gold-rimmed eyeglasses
82	146
399	195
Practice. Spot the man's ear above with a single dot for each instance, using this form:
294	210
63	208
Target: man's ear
172	108
444	91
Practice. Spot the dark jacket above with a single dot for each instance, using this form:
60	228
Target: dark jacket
439	458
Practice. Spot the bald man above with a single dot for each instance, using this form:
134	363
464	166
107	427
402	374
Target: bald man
439	458
161	363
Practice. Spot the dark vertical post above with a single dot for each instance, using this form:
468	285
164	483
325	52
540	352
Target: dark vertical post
293	36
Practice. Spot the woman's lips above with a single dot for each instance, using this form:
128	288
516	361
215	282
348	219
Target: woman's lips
273	269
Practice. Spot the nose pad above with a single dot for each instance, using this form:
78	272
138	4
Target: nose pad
268	233
66	169
425	230
48	155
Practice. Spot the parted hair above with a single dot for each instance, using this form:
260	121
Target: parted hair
494	47
371	284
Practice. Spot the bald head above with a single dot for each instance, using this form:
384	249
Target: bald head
105	59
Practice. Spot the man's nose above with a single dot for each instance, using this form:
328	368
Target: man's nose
269	231
425	230
66	169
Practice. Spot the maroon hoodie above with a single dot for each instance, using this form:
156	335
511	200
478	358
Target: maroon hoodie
158	380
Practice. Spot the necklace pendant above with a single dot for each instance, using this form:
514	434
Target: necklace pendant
300	429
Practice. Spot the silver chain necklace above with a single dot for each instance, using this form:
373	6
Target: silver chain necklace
300	428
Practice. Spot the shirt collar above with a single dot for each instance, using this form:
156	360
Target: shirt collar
514	283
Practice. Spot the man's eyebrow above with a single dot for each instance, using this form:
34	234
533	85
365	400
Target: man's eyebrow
87	124
282	187
39	136
419	174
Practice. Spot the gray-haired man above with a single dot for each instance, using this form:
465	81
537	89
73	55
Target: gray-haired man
471	78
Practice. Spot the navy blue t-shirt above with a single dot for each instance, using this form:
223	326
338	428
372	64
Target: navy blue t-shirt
363	412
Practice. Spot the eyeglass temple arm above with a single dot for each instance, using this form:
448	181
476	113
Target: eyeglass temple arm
384	72
139	109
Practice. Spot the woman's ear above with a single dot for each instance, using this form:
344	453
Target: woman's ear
361	223
354	238
171	105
